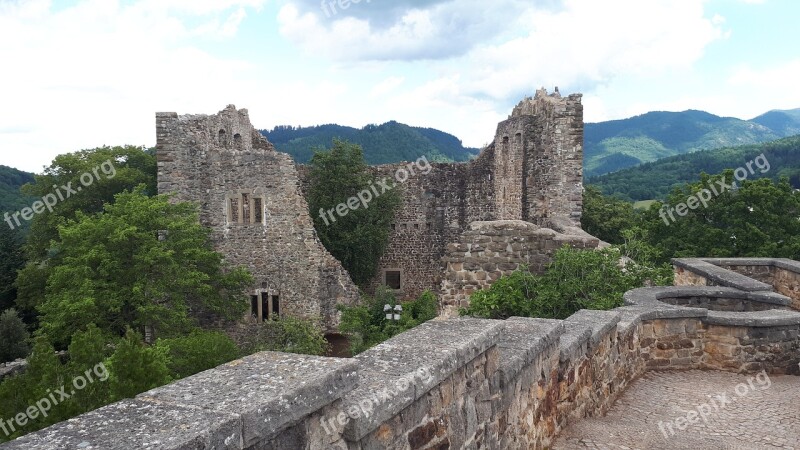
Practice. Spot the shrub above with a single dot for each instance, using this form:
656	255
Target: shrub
366	324
576	279
136	368
287	335
14	336
199	351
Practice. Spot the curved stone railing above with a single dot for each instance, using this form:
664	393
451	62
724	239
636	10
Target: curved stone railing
712	299
747	274
457	383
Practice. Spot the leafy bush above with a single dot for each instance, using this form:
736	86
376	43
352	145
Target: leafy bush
366	324
576	279
199	351
14	336
288	335
136	368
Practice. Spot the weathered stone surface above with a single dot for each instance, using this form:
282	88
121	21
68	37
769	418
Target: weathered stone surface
268	391
718	276
397	373
219	161
515	243
135	424
459	383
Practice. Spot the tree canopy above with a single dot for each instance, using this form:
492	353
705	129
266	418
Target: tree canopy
359	238
143	262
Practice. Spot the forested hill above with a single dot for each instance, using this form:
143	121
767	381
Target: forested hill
618	144
11	199
655	180
382	144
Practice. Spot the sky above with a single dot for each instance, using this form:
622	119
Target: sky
86	73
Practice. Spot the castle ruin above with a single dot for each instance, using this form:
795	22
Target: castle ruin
460	226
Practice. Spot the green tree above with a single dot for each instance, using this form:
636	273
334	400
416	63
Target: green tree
113	169
87	354
199	351
366	324
288	335
43	375
130	167
143	263
136	368
605	217
758	219
359	238
576	279
14	336
11	261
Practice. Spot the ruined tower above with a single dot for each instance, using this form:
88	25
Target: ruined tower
538	163
249	195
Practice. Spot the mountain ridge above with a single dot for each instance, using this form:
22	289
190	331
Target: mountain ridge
619	144
386	143
654	180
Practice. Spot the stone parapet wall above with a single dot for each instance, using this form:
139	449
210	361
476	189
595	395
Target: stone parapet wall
778	274
490	250
457	383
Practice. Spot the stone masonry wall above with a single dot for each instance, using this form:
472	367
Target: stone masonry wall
532	171
552	130
249	195
779	274
457	383
489	250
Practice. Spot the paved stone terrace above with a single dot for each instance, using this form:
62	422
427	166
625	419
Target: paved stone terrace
760	419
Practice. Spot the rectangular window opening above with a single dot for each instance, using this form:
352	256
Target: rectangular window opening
276	306
234	210
254	306
245	208
392	279
264	306
258	211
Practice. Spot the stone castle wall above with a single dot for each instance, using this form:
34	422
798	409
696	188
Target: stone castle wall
490	250
456	383
532	171
249	196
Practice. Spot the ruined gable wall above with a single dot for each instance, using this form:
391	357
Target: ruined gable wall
532	172
209	159
436	208
554	168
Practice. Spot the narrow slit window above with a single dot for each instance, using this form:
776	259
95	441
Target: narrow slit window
276	306
264	306
245	208
234	210
258	210
254	306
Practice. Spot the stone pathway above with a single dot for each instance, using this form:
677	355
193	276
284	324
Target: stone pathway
741	413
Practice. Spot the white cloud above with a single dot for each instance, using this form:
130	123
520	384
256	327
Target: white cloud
579	43
589	43
386	86
401	30
95	73
773	87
